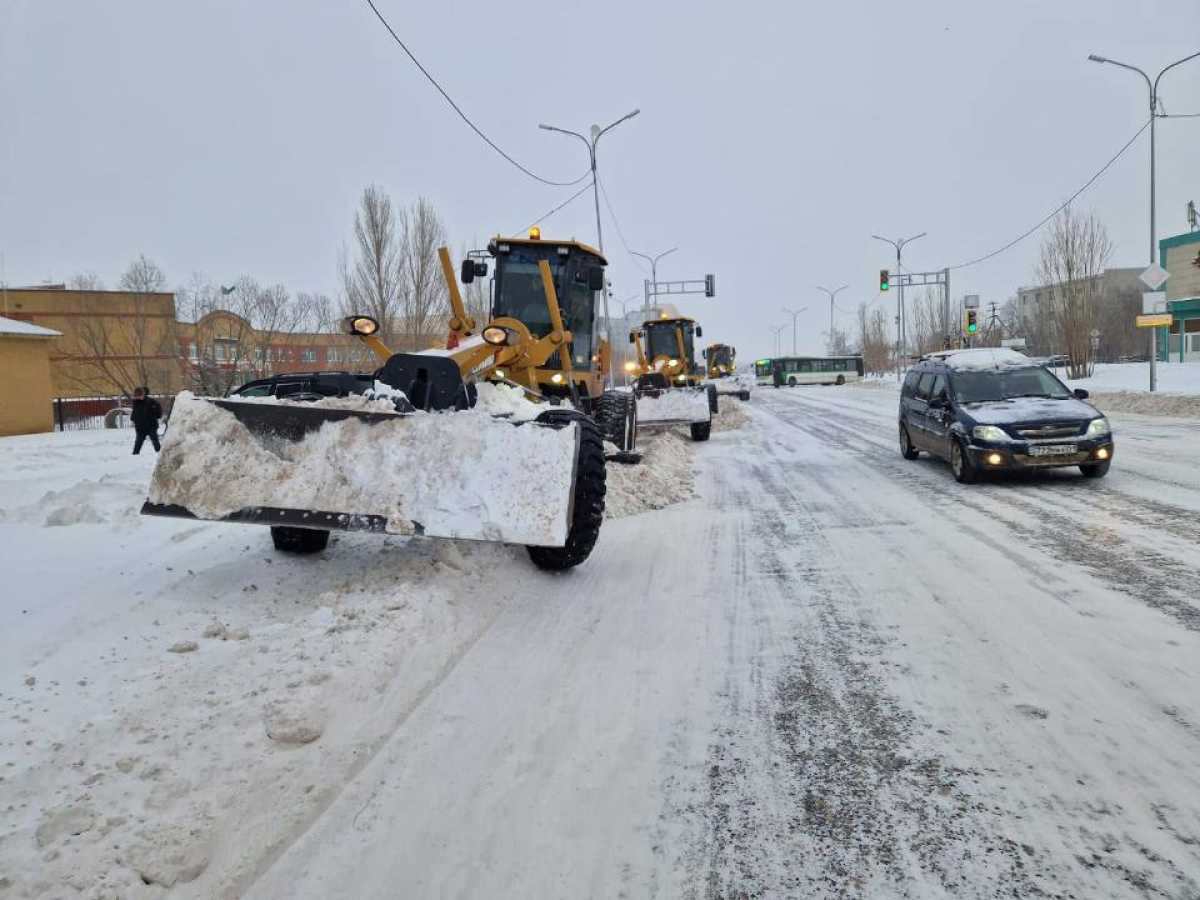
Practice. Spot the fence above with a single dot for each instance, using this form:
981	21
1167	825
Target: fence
85	413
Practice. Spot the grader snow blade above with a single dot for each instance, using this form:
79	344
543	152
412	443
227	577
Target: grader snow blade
455	474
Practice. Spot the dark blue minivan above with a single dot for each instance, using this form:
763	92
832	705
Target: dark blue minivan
996	409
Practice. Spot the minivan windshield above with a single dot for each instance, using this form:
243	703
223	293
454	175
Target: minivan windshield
1006	384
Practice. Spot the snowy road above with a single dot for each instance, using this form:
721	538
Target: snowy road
833	674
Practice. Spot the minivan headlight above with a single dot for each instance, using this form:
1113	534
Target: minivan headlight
989	433
1099	427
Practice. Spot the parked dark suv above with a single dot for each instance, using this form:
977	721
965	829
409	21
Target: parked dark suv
307	385
997	409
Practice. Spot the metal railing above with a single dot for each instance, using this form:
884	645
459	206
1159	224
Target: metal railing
88	413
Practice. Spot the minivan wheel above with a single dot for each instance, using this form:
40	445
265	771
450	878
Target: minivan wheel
960	464
907	450
1096	470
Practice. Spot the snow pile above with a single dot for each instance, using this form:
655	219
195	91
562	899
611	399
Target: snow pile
729	417
87	502
675	406
1147	404
664	477
460	474
733	384
507	401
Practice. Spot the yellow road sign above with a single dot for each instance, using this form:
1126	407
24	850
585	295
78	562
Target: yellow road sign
1161	320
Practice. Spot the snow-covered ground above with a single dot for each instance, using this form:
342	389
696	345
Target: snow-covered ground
829	673
1173	378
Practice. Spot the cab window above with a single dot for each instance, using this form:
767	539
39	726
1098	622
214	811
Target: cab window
939	387
924	385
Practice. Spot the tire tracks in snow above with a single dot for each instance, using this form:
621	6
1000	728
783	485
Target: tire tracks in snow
817	781
1142	571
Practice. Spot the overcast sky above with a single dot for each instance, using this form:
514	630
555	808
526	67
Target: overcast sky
232	137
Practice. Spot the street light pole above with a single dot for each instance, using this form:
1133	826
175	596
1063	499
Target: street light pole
777	331
1153	87
653	260
831	294
901	337
794	313
596	133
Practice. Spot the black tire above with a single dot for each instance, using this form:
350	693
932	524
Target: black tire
701	430
712	398
744	396
907	450
841	379
587	512
1096	470
298	540
616	417
960	464
791	381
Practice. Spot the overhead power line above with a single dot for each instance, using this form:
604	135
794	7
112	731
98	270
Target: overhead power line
1061	207
612	215
462	115
566	202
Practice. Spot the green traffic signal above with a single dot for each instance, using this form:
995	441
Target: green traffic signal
972	328
884	279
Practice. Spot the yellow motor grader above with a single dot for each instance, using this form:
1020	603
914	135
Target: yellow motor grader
668	382
721	364
423	453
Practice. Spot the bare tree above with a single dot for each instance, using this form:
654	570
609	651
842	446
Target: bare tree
1073	257
425	293
126	341
373	277
85	281
316	312
837	343
874	342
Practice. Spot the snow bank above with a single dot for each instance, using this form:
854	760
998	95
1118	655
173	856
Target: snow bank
109	500
664	477
675	406
1173	378
460	474
729	417
1147	404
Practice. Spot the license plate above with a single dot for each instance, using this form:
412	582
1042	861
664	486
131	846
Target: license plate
1052	449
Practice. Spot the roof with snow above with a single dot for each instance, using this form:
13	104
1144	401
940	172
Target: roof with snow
25	329
983	358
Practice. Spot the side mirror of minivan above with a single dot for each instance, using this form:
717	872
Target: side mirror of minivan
941	402
1080	394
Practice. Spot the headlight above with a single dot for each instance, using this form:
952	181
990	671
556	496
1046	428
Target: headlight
557	378
630	366
363	325
1099	427
681	378
495	335
989	433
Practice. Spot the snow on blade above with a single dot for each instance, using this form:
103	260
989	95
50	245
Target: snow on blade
456	475
734	384
675	406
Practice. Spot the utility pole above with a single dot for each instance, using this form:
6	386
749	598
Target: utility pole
832	294
901	337
596	132
653	260
794	313
1154	114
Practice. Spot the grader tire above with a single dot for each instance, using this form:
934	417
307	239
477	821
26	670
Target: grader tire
616	417
588	505
701	430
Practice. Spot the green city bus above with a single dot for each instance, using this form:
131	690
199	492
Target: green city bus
794	370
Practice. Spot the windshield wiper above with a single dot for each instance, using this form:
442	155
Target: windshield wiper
1040	396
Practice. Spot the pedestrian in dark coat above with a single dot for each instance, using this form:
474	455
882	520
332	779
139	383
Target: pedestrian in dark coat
145	415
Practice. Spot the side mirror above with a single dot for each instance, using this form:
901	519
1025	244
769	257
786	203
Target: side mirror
699	331
1080	394
467	273
596	278
632	338
939	402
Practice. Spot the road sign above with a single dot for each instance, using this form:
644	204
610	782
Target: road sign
1154	302
1154	277
971	301
1160	320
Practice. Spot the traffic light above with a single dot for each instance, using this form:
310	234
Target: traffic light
972	325
710	285
885	280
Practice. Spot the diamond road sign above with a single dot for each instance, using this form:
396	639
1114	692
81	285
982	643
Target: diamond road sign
1154	276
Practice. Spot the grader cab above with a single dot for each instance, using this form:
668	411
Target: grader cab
721	367
443	446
